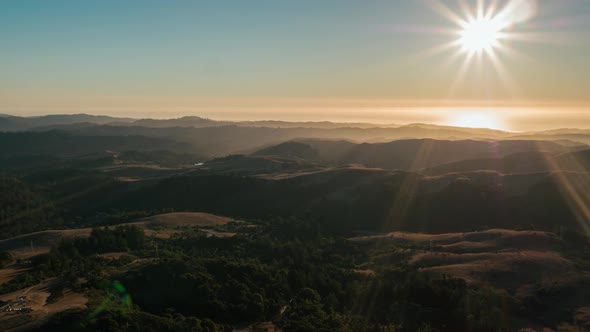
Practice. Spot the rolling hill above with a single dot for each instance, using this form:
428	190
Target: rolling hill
521	162
416	154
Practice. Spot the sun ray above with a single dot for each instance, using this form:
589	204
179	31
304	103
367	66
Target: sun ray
466	10
542	37
504	74
484	32
442	48
574	184
492	8
445	11
480	10
513	53
460	73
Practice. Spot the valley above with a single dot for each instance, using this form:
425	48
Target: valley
101	228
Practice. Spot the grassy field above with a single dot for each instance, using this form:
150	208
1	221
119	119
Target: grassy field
39	299
503	258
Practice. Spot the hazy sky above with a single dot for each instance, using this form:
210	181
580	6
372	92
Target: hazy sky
278	59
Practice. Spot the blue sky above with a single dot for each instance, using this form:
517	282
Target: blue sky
122	55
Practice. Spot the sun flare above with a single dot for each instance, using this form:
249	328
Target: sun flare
481	34
484	33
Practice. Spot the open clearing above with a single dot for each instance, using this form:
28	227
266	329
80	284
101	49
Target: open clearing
29	245
165	225
25	246
39	306
186	219
504	258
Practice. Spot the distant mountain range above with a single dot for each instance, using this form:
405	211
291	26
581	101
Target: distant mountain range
387	146
437	156
73	121
46	122
417	177
70	121
16	123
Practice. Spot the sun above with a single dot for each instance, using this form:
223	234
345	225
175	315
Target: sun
480	34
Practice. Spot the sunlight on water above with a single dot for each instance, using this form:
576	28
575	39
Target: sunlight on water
476	119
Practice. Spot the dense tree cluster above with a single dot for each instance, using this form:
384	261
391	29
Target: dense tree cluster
5	258
22	210
280	272
297	272
78	258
